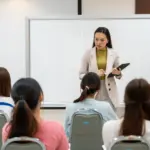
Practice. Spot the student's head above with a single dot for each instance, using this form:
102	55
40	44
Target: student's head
137	107
27	96
90	86
102	38
5	82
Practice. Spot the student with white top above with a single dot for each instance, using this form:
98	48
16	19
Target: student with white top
137	114
6	103
90	86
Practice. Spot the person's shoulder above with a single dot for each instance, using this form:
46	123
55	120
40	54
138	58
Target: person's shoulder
103	104
53	125
70	106
147	122
50	128
113	51
112	124
147	130
89	51
7	100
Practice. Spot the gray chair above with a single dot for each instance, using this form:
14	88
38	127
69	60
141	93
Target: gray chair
23	143
86	130
3	120
129	143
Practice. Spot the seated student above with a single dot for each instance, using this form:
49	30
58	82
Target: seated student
137	114
90	86
6	103
26	120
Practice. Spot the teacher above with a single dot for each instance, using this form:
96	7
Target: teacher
102	59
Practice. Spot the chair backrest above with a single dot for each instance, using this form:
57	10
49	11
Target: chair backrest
23	143
3	120
86	130
129	143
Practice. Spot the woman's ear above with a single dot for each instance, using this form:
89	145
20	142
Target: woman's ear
41	97
107	41
96	93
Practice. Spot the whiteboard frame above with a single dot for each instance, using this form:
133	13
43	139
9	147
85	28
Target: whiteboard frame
27	42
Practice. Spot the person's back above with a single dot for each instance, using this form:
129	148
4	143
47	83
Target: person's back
111	130
50	133
26	121
6	103
90	85
136	120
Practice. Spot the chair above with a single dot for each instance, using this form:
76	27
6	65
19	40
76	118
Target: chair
23	143
129	143
3	120
86	130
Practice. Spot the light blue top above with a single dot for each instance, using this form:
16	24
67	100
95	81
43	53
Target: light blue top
102	107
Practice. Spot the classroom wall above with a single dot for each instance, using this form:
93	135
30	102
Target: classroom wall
12	28
108	8
12	23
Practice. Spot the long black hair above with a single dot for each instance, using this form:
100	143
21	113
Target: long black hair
105	31
25	94
89	84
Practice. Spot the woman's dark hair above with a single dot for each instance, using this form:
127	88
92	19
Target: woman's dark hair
25	94
107	33
5	82
89	84
137	107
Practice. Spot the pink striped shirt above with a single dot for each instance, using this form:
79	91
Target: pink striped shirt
50	133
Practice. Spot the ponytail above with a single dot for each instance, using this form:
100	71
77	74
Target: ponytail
83	95
133	122
23	122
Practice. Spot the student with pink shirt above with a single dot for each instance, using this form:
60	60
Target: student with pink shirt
26	120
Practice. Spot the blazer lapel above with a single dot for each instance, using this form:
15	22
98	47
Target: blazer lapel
109	61
94	61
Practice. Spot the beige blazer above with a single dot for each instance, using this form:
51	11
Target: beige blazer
89	64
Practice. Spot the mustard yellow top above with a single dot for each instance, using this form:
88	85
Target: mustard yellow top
101	56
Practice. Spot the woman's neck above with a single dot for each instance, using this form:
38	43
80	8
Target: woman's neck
90	96
37	115
102	49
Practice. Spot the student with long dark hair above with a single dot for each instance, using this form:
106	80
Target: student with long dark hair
103	59
136	120
26	120
90	86
6	103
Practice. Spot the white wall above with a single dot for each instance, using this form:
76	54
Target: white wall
12	28
12	23
108	8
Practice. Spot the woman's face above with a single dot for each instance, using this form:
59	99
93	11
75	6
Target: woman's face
100	40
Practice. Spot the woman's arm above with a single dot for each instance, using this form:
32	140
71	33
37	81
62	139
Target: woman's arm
84	64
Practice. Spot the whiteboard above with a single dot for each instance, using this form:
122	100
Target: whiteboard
57	46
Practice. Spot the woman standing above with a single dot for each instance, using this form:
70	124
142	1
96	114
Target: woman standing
102	59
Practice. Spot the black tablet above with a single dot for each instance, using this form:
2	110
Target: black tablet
121	67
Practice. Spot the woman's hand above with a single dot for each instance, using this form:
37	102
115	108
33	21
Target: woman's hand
101	72
115	71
